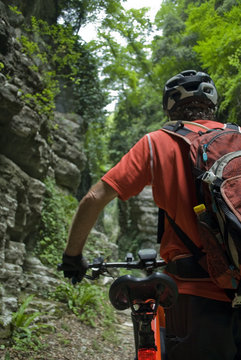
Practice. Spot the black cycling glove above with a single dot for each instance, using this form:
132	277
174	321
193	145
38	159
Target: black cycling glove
74	267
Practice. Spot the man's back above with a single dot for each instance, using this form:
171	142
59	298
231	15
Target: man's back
162	160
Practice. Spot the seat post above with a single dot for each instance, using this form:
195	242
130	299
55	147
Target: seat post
144	335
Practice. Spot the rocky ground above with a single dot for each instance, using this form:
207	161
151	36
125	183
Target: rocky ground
72	340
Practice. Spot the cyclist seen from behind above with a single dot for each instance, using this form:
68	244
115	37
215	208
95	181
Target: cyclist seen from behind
202	325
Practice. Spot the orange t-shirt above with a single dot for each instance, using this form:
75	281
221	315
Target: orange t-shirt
161	160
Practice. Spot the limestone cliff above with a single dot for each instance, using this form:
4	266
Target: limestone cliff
30	150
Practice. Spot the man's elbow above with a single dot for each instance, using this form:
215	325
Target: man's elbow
100	194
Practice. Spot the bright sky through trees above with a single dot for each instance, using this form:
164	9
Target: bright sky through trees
88	32
154	5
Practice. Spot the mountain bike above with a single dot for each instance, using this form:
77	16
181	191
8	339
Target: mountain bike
147	297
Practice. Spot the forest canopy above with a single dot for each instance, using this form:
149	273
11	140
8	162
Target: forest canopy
201	35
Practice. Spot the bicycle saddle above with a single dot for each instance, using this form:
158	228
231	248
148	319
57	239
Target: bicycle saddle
128	290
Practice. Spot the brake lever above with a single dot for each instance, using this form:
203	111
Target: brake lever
97	268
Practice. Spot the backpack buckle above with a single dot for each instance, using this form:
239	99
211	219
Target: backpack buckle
236	303
179	125
209	177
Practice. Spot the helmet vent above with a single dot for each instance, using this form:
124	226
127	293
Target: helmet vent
173	83
207	90
190	87
176	96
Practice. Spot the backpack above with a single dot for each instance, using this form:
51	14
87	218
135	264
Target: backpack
215	156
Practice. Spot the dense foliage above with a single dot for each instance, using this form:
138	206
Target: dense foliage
203	35
218	47
78	12
66	66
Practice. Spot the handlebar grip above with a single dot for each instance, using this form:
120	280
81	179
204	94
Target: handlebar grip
59	267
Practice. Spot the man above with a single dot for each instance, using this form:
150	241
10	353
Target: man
202	325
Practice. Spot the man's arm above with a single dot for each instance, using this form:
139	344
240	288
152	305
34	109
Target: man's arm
89	209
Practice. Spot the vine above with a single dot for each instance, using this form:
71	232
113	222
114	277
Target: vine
57	213
63	61
53	55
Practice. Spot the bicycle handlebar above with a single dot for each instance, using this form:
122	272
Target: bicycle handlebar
147	263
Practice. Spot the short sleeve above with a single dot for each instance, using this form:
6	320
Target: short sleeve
133	172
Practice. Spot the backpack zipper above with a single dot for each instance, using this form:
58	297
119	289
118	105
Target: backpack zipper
202	153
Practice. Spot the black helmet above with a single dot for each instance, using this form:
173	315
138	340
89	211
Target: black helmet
187	86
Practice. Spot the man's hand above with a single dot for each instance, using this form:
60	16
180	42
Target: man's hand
74	267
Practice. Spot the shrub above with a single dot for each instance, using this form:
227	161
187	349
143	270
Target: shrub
88	301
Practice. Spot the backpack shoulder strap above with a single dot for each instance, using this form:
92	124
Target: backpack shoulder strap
160	225
232	126
197	253
194	250
181	123
177	128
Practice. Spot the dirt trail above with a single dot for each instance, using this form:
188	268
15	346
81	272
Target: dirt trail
72	340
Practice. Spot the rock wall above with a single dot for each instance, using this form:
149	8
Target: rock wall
145	212
138	222
47	10
31	148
